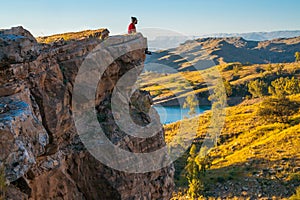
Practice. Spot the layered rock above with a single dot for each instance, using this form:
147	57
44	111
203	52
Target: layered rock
43	155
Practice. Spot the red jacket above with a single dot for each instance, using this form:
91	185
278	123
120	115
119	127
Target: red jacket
131	28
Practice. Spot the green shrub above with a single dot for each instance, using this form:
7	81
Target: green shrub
284	86
228	88
257	88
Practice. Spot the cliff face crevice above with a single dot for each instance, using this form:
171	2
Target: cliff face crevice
41	152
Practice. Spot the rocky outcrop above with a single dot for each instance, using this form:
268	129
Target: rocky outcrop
60	38
16	46
42	154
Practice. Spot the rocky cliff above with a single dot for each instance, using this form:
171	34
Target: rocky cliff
41	152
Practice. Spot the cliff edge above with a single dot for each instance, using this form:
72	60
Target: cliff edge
41	152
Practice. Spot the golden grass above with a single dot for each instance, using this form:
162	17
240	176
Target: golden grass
181	83
247	138
71	36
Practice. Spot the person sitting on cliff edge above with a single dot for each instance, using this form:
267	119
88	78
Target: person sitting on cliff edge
132	30
131	27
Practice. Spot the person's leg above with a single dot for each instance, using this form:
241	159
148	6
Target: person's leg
148	52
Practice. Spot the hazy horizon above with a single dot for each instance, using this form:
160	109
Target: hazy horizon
45	17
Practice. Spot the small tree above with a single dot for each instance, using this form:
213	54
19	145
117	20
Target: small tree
203	160
228	88
219	102
193	174
191	103
277	88
218	97
292	86
297	56
284	86
191	167
257	88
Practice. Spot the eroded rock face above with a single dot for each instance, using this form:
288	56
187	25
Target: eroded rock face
23	138
16	46
42	153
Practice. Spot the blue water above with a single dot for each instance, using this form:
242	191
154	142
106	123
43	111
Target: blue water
170	114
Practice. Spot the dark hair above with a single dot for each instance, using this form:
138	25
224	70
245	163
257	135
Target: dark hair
133	19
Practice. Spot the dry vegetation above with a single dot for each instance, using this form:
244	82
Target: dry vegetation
255	157
165	86
249	149
73	36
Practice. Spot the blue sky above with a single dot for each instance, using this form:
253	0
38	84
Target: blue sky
190	17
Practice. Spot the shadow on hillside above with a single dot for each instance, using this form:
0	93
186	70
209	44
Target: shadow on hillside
256	178
180	61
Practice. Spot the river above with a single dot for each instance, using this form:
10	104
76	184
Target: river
170	114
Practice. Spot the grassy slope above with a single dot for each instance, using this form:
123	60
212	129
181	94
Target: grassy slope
249	148
163	86
251	152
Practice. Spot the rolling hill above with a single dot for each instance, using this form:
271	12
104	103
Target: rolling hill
168	89
207	52
164	39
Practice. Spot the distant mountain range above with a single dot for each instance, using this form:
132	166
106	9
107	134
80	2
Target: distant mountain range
206	52
172	41
256	36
